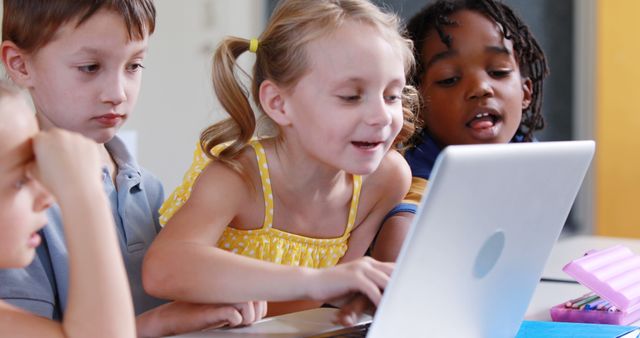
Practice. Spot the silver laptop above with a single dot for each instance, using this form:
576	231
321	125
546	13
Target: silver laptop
477	248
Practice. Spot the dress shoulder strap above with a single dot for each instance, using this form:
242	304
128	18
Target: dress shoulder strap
263	168
355	200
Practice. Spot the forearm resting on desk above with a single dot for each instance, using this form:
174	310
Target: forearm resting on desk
195	273
180	317
202	274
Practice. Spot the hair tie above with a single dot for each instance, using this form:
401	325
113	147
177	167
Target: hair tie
253	45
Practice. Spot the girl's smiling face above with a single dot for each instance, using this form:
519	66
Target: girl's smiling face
473	92
346	111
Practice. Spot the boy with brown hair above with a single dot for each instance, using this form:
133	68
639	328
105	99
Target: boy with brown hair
81	61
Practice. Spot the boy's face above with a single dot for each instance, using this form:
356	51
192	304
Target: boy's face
473	92
23	200
87	78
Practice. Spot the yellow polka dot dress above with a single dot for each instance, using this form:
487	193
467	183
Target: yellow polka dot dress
268	243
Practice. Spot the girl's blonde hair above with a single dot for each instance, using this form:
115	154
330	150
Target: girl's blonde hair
281	57
8	89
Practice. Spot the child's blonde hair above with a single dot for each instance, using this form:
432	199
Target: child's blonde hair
281	57
8	89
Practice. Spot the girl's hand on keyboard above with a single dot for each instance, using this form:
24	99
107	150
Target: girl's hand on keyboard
365	276
352	309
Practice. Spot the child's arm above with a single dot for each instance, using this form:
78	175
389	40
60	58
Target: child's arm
395	228
178	317
391	236
184	264
390	184
99	303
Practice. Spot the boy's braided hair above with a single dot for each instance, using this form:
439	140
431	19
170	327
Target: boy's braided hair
529	55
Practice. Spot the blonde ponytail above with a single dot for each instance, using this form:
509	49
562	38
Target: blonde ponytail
234	97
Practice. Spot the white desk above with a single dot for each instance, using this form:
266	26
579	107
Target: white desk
546	295
571	248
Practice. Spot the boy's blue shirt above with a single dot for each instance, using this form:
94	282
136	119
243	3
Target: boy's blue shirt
421	158
42	287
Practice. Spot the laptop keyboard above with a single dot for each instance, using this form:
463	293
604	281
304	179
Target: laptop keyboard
347	332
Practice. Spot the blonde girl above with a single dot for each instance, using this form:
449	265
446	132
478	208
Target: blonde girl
289	215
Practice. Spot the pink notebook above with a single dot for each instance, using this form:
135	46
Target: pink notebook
614	275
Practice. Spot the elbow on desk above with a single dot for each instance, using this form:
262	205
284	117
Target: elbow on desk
159	278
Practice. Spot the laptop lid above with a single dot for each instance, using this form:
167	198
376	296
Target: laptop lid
480	239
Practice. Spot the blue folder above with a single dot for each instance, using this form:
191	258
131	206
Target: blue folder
535	329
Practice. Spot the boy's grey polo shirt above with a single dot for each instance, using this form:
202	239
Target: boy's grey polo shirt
42	287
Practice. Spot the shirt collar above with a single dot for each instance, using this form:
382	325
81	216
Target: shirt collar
122	157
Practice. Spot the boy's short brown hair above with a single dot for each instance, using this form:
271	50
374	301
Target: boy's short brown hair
31	24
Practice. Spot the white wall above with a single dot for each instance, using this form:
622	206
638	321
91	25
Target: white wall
584	108
177	100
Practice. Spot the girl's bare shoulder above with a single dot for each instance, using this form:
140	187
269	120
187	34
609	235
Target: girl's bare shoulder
221	180
393	175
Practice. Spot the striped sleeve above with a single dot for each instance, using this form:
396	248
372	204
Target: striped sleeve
412	199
